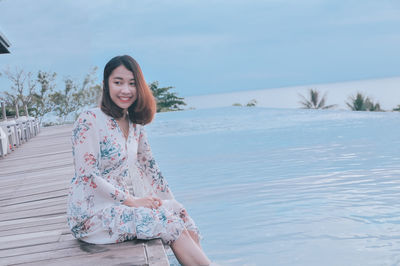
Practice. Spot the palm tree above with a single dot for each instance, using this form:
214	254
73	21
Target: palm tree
314	102
362	103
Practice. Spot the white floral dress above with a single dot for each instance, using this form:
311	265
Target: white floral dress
107	169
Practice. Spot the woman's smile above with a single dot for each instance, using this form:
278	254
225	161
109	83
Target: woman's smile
125	99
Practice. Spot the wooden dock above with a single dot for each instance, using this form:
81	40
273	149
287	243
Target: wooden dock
34	183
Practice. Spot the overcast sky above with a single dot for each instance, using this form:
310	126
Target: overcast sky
204	47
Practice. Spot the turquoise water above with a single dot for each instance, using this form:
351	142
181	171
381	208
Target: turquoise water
286	187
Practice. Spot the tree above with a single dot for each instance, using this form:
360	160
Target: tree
74	96
315	102
90	90
41	97
362	103
252	103
23	87
67	101
166	101
41	100
397	108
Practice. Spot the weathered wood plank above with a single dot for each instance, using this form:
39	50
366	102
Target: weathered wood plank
63	246
33	229
37	160
12	252
33	213
44	153
25	240
50	175
62	201
156	253
30	198
34	191
30	168
134	255
35	221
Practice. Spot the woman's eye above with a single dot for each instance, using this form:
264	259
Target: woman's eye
117	82
133	84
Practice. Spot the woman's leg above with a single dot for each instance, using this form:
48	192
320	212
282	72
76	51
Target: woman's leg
189	223
187	251
195	237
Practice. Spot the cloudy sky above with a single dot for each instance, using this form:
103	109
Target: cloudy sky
204	47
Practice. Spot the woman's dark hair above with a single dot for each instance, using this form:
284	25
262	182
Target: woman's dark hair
143	109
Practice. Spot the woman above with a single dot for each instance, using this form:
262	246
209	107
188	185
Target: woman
118	192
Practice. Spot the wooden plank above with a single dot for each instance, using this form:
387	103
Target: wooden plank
33	191
33	213
33	221
64	245
31	168
156	253
33	229
37	248
37	159
44	153
4	239
29	239
62	201
30	198
32	178
97	255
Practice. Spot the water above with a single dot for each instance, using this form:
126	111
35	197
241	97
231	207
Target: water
286	187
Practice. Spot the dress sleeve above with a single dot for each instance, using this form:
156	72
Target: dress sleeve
150	169
86	153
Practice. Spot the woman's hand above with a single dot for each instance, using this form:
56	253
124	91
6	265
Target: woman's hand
147	202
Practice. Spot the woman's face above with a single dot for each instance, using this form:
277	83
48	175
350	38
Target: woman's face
122	87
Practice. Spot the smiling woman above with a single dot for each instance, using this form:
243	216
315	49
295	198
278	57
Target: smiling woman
122	87
118	192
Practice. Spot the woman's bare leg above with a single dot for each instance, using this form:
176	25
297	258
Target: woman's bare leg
188	252
195	237
184	216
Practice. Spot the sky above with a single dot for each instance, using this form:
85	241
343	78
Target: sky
205	47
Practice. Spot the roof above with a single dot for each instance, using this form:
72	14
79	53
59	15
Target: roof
4	44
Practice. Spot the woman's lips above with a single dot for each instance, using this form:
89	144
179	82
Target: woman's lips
125	99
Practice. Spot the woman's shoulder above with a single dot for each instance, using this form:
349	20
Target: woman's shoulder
91	113
88	117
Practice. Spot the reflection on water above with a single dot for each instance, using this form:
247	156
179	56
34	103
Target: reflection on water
286	187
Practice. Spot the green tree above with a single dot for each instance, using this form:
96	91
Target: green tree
362	103
315	101
397	108
166	100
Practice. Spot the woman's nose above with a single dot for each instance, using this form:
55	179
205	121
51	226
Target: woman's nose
125	88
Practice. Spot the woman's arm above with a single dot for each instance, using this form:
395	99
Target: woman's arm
150	169
86	153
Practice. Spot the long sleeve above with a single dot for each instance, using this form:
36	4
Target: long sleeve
86	153
150	169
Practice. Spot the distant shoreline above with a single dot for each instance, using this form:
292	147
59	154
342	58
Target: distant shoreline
386	91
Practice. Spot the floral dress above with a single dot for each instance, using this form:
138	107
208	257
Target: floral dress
109	168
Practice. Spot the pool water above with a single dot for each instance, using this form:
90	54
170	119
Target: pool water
286	186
